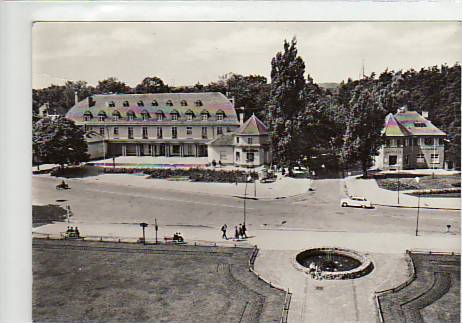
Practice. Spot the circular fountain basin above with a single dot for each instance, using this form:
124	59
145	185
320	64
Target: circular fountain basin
333	263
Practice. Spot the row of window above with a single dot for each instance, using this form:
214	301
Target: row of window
174	133
403	142
420	158
159	132
160	116
154	103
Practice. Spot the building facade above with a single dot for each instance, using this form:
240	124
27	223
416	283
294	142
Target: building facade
168	124
248	146
411	141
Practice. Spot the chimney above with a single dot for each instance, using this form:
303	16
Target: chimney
91	102
76	97
241	116
425	114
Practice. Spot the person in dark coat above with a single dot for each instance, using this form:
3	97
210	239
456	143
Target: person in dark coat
236	232
244	229
223	229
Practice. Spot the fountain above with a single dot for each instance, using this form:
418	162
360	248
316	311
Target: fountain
333	263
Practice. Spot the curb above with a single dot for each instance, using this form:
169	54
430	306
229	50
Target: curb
421	207
404	206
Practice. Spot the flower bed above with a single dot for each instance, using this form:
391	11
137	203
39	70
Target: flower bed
193	174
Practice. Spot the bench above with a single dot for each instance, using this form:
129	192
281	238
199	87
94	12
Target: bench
170	240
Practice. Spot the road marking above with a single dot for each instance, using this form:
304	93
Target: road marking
305	301
355	300
166	199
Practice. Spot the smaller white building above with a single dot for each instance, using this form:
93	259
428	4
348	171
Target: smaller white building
248	146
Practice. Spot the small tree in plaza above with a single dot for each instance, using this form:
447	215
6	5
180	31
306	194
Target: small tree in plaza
59	141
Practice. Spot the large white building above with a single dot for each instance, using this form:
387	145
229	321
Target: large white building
173	125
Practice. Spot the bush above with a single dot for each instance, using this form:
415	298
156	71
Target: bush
193	174
71	172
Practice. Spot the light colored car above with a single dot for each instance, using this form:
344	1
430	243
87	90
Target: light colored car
355	201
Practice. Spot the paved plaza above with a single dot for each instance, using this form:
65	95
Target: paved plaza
280	227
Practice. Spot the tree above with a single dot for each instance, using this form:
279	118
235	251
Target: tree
364	124
287	104
151	85
59	141
112	85
250	92
60	97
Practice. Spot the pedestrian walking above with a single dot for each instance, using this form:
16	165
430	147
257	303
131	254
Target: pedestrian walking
240	231
236	233
244	229
223	229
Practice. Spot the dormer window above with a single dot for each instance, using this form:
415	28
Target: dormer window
126	104
111	104
159	115
198	103
204	115
140	103
102	116
87	116
145	115
115	115
130	115
220	115
184	103
189	115
169	103
174	115
154	103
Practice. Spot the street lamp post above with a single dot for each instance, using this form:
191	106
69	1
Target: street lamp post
245	198
143	226
399	184
157	229
417	179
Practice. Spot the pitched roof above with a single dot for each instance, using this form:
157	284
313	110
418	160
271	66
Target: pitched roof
253	126
223	140
209	101
416	125
393	128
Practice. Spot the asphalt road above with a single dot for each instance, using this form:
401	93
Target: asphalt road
320	210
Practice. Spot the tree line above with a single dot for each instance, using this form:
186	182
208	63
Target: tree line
312	125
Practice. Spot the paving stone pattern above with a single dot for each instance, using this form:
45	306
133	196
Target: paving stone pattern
433	296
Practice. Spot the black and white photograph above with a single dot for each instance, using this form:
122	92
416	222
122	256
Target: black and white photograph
246	171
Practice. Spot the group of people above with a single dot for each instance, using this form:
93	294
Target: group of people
240	232
178	237
71	232
315	271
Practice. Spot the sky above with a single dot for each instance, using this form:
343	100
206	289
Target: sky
184	53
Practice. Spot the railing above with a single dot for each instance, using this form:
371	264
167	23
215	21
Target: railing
410	279
101	238
251	264
288	295
285	309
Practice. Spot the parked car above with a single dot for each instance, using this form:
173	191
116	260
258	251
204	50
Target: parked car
355	201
